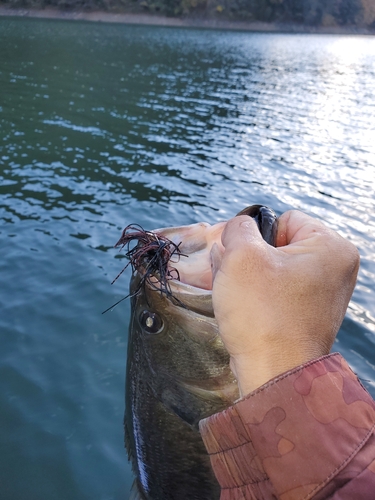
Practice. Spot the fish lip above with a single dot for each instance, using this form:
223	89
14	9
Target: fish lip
189	297
187	288
179	286
199	300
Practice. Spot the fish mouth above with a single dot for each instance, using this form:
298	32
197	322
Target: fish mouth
193	264
176	261
196	241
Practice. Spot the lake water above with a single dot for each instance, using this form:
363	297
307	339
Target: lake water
104	125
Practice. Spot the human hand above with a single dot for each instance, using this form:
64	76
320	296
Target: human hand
280	307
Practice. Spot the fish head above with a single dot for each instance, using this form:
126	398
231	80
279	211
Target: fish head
176	334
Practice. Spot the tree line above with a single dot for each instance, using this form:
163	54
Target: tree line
307	12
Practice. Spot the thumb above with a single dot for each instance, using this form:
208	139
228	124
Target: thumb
241	231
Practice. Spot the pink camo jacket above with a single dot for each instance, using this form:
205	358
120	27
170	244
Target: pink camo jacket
307	434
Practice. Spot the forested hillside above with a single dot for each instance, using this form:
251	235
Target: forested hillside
327	13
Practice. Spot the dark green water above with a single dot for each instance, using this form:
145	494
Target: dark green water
104	125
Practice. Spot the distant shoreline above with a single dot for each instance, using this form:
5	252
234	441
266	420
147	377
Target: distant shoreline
187	22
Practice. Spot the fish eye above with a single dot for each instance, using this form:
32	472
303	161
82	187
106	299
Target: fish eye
150	322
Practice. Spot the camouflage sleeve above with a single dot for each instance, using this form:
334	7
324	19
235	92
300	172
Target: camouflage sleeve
307	434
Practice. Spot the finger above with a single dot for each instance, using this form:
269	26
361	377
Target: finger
295	226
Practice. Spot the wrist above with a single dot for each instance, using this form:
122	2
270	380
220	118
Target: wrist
252	371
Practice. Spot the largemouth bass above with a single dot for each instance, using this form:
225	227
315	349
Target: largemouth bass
177	367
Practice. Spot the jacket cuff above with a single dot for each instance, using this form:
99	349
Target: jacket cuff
293	434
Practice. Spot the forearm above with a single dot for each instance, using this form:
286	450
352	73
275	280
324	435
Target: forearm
303	434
